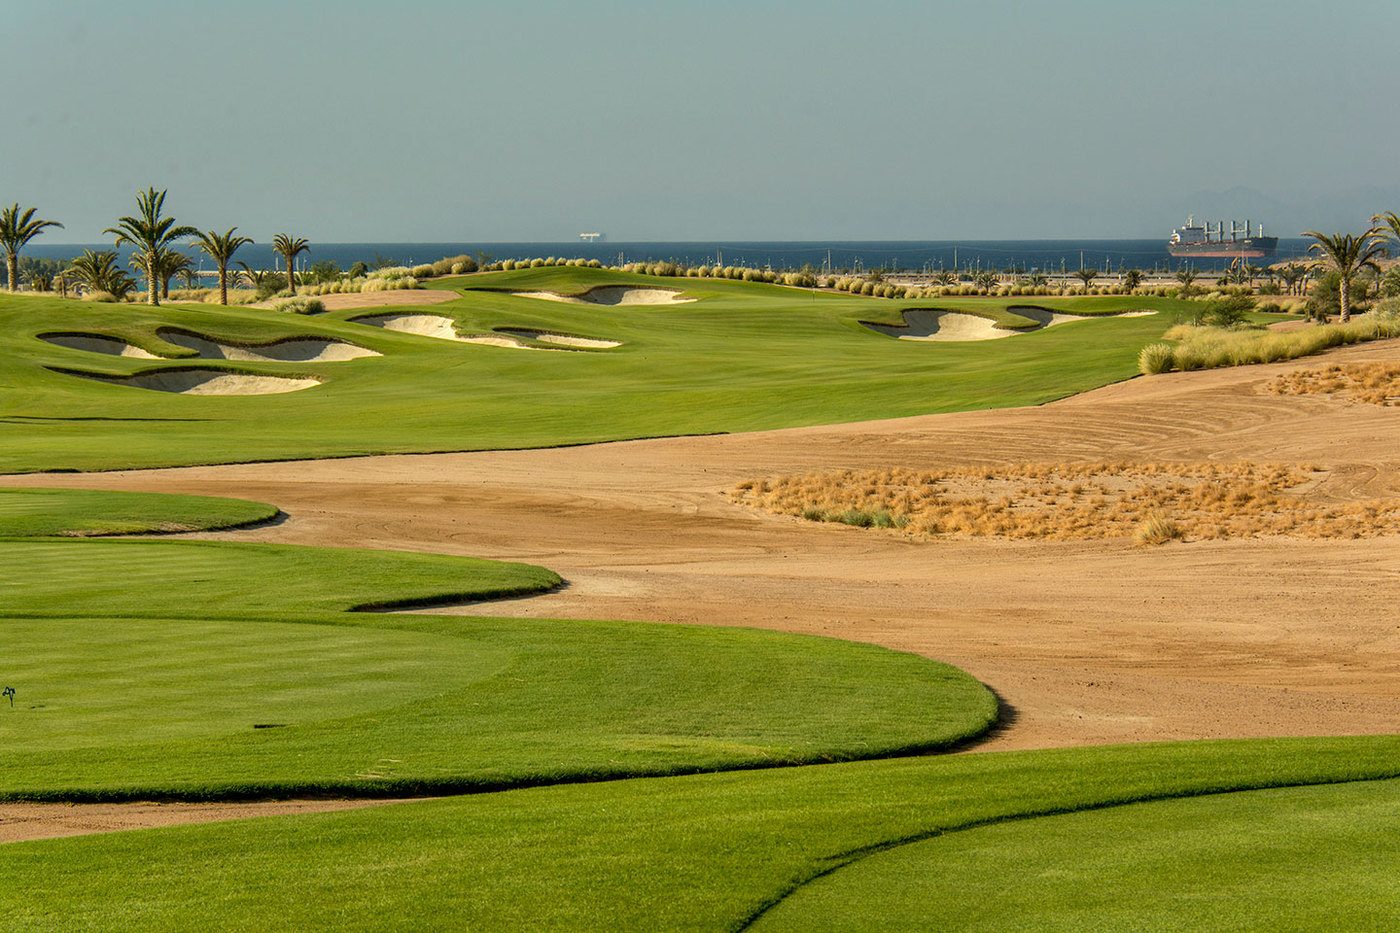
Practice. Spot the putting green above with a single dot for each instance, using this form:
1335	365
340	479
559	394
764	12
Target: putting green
113	683
742	356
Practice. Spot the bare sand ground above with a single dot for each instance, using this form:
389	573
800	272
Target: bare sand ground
1086	642
402	296
20	822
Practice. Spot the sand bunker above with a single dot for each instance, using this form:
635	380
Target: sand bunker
444	328
192	381
499	340
293	350
562	340
96	343
613	295
420	325
929	324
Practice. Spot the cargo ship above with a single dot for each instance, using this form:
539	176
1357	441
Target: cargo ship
1204	241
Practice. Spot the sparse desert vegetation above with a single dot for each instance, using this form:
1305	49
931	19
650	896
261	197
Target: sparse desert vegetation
1368	383
1150	502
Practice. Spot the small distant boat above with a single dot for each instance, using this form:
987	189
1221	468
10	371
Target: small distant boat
593	236
1205	241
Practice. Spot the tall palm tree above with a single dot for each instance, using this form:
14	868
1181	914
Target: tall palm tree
221	247
150	233
289	248
16	230
1348	255
1087	276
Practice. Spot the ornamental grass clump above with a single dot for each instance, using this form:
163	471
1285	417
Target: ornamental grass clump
300	306
1204	347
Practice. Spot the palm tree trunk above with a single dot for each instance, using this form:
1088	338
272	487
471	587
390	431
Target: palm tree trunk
152	286
1344	299
291	275
223	284
12	270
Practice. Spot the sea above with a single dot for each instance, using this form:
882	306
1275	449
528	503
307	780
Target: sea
836	255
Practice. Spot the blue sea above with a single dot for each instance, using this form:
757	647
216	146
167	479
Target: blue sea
900	255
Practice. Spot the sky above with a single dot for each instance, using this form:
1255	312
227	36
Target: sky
428	120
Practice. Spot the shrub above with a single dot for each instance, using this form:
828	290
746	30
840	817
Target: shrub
1231	311
103	297
421	271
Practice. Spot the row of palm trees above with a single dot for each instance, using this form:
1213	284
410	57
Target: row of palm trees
1348	254
153	235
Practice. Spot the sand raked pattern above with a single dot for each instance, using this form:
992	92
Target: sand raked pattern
1152	502
1367	383
938	325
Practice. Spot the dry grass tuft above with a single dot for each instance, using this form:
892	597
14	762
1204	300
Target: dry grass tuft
1370	383
1152	502
1156	529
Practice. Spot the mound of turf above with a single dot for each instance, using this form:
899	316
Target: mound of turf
83	513
712	852
742	356
1320	857
215	670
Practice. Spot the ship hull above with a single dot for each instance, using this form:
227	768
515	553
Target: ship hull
1257	247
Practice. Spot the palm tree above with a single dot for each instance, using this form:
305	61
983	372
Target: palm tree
1387	225
289	248
1086	276
1131	279
1348	255
1293	275
169	263
260	279
1187	277
16	230
100	273
221	247
150	233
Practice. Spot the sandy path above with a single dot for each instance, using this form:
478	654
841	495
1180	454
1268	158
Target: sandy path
20	822
1087	642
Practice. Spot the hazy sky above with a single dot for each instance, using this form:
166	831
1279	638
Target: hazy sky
425	120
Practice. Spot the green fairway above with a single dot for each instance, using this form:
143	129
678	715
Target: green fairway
199	670
82	513
1303	858
744	356
712	851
